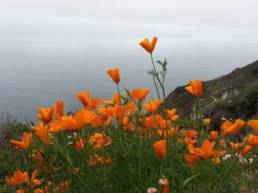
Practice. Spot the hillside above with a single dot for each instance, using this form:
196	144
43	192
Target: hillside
233	95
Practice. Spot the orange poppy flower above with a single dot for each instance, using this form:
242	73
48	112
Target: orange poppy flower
229	128
173	131
160	147
21	190
17	178
172	114
246	149
77	121
100	140
87	101
252	140
152	121
116	99
140	94
191	133
80	144
207	121
42	132
205	151
114	74
25	143
59	108
164	183
213	135
195	87
188	141
191	159
235	146
222	143
253	124
45	114
152	106
147	45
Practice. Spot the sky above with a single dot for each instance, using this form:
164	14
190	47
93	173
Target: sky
102	20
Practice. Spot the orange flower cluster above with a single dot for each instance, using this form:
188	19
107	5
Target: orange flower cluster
86	133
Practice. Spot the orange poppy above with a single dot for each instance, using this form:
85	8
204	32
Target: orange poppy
252	140
191	133
147	45
17	178
116	99
188	141
246	149
253	124
152	121
80	144
77	121
192	159
140	94
172	114
152	106
21	190
235	146
87	101
205	151
25	143
160	147
59	108
222	143
99	140
45	114
114	74
213	135
195	87
42	132
164	183
229	128
207	121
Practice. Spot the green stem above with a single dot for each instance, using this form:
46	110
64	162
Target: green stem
156	75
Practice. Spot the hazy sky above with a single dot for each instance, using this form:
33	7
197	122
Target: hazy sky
74	20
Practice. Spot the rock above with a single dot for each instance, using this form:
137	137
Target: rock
234	95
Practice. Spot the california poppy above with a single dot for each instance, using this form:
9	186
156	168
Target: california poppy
59	108
152	106
165	185
114	74
207	121
160	147
246	149
252	140
192	159
213	135
80	144
235	146
147	45
229	128
140	94
45	114
24	144
77	121
195	87
87	101
172	114
253	124
18	177
42	132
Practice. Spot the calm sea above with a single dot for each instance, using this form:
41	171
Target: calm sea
36	72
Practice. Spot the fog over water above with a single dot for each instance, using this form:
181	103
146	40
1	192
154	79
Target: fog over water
51	49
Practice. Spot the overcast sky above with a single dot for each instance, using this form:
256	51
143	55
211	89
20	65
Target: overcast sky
232	20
